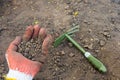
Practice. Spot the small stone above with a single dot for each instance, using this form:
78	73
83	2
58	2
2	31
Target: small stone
112	20
55	61
56	69
74	78
70	44
33	54
69	12
92	69
27	43
58	60
102	42
33	59
67	65
71	55
113	74
60	65
103	76
96	51
20	50
29	46
66	7
30	57
106	34
63	70
68	1
54	73
57	53
96	40
27	50
31	40
89	46
62	52
89	30
85	21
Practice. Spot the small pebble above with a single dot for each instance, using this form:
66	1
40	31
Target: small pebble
57	53
62	52
106	34
66	7
71	55
70	44
74	78
102	42
27	50
96	51
33	59
89	46
68	1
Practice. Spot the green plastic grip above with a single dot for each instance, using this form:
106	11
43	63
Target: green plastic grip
95	62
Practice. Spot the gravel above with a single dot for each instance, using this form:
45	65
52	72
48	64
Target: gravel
30	49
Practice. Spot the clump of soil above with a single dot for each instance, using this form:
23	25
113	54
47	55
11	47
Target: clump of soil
31	49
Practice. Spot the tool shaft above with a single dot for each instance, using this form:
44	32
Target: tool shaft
75	43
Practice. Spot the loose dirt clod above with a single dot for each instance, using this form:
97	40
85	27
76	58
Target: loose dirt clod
70	44
71	55
30	49
102	42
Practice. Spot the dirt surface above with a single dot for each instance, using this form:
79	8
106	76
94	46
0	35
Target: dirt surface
99	34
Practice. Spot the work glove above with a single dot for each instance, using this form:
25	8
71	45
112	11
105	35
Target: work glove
21	68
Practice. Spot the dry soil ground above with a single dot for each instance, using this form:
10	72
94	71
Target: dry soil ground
99	33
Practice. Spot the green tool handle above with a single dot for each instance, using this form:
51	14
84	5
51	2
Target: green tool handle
94	61
75	43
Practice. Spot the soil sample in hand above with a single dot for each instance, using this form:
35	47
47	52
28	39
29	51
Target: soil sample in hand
31	49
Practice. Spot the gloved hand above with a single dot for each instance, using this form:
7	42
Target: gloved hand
21	68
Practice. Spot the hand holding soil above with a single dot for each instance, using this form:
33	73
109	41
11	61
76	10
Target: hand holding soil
18	64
